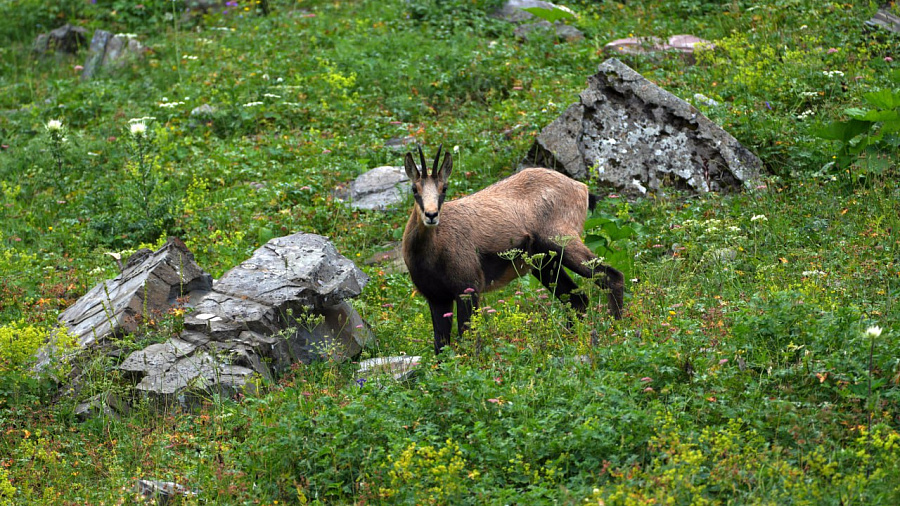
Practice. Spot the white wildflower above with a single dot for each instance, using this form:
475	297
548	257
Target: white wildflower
188	57
759	217
252	104
169	105
832	73
271	95
138	129
873	331
54	125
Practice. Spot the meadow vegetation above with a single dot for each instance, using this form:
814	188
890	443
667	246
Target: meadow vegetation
757	361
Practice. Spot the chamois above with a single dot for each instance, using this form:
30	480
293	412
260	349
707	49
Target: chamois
454	250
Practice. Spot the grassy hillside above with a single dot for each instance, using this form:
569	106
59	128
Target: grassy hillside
749	367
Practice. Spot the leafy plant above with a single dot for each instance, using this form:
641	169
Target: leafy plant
868	142
609	237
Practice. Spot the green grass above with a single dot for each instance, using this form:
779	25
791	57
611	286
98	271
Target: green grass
741	373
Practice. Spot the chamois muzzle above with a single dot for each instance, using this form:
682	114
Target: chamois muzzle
430	219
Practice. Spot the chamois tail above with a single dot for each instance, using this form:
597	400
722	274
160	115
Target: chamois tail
592	201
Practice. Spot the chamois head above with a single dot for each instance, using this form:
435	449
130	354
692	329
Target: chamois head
429	190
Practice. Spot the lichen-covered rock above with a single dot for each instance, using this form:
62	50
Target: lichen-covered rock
634	136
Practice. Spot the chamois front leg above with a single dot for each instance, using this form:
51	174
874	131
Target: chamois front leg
466	304
442	321
577	256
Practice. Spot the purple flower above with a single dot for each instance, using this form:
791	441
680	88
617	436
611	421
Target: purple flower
361	382
832	50
231	3
888	59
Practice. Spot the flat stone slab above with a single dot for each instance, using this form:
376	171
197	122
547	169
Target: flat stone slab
683	44
885	19
632	135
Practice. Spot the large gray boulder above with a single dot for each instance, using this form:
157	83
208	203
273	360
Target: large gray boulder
150	282
65	39
634	136
285	304
110	51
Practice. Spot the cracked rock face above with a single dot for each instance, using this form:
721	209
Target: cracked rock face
636	137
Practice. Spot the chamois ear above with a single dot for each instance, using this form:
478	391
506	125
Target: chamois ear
410	165
437	158
446	167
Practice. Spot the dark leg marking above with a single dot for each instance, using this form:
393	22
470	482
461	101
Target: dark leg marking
442	324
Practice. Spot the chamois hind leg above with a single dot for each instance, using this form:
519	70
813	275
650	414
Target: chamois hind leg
576	256
442	324
466	304
555	279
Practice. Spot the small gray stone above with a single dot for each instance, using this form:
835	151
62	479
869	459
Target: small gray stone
399	368
161	492
204	110
380	188
399	142
108	405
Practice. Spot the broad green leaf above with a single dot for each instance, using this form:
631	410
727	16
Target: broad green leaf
856	112
552	15
597	221
883	99
843	130
876	116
